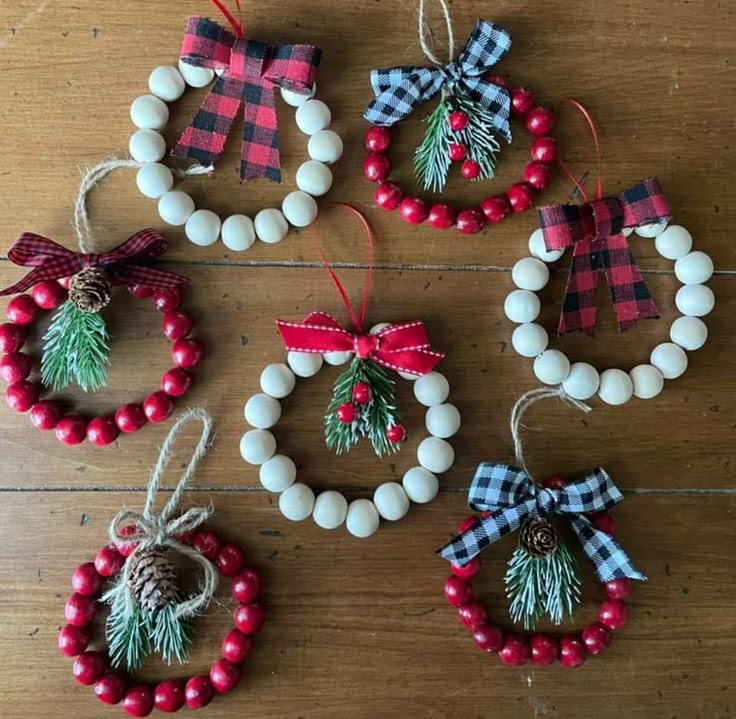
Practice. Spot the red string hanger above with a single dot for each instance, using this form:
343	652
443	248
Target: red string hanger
236	24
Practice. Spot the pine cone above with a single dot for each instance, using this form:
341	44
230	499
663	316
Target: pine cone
537	537
152	579
90	290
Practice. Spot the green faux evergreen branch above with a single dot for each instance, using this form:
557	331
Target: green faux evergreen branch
478	137
432	157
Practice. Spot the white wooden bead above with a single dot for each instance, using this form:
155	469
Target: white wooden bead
330	509
435	455
420	485
616	387
313	116
626	231
442	420
175	207
391	501
669	359
167	83
196	76
297	502
522	306
689	332
337	358
203	228
694	268
538	250
297	98
238	233
314	178
262	411
529	273
362	519
278	473
271	226
582	381
674	242
651	230
305	364
277	380
147	146
529	339
325	146
154	180
149	113
648	381
551	367
257	446
299	208
695	300
409	376
431	389
378	328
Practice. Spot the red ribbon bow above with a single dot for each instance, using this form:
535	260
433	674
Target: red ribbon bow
52	261
250	71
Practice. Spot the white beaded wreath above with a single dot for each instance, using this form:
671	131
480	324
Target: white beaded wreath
668	360
330	509
150	114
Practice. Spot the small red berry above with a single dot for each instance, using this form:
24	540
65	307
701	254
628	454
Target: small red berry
80	610
187	352
130	417
488	638
247	586
495	208
86	580
537	175
169	696
102	431
605	522
544	149
539	121
396	434
65	281
89	667
15	366
167	300
157	407
347	413
596	638
140	292
199	692
109	561
458	120
376	167
22	395
46	414
520	196
618	589
48	295
224	676
470	169
413	210
249	618
388	196
71	429
12	337
572	652
110	689
515	651
138	701
613	614
362	393
465	525
544	649
127	548
554	482
499	81
22	310
457	591
377	139
469	570
207	543
176	382
73	640
470	221
441	216
522	101
230	560
176	325
457	151
472	615
236	647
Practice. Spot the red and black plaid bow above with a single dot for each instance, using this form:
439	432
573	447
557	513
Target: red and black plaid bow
594	229
251	70
123	263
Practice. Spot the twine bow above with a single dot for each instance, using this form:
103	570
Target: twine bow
161	531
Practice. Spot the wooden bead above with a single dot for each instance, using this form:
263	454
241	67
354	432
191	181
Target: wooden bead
442	420
582	381
167	83
391	501
305	364
337	358
295	99
297	502
278	473
238	233
202	228
330	509
362	519
196	76
147	146
420	485
651	230
522	306
154	180
669	359
257	446
262	411
695	268
271	226
431	389
314	178
435	455
551	367
175	207
647	380
616	387
313	116
529	339
531	274
149	113
675	242
695	300
299	208
689	332
277	380
537	248
325	146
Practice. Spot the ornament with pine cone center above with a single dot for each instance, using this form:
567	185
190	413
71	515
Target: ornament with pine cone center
152	579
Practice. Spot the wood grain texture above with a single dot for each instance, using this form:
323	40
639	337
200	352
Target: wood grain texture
359	628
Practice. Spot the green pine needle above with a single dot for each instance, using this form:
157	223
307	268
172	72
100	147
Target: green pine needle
170	635
128	633
432	157
542	585
76	349
479	136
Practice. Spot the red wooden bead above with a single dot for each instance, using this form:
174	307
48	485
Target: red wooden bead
249	618
176	325
169	696
596	638
618	589
230	560
544	149
73	640
224	676
21	396
544	649
413	210
470	221
109	561
199	692
130	417
458	120
65	281
71	429
138	701
396	433
89	667
522	100
500	81
46	414
347	413
86	580
441	216
362	393
520	196
488	638
539	121
102	431
80	610
469	570
126	548
472	615
12	337
22	310
247	586
605	522
157	407
187	352
613	614
376	167
140	292
110	689
495	208
470	169
15	366
167	300
377	139
554	482
515	650
176	382
457	151
388	196
236	647
572	652
537	175
457	591
207	543
465	525
48	295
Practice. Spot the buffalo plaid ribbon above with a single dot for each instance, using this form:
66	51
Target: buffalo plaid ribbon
399	90
250	71
510	495
595	230
124	263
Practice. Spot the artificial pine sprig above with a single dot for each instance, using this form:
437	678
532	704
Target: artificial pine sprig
127	631
478	136
432	157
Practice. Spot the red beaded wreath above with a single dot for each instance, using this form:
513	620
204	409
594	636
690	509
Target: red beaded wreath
139	700
519	197
23	395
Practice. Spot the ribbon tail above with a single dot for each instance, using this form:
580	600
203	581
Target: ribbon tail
259	153
579	304
39	274
495	100
417	361
405	88
150	277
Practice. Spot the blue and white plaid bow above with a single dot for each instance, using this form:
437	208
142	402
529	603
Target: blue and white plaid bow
511	495
399	90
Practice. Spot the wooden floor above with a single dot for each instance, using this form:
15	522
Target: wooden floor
357	628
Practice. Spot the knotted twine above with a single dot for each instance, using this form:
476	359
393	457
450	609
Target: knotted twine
425	30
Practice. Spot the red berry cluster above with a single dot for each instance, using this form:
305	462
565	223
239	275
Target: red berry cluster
139	700
519	197
348	412
23	395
